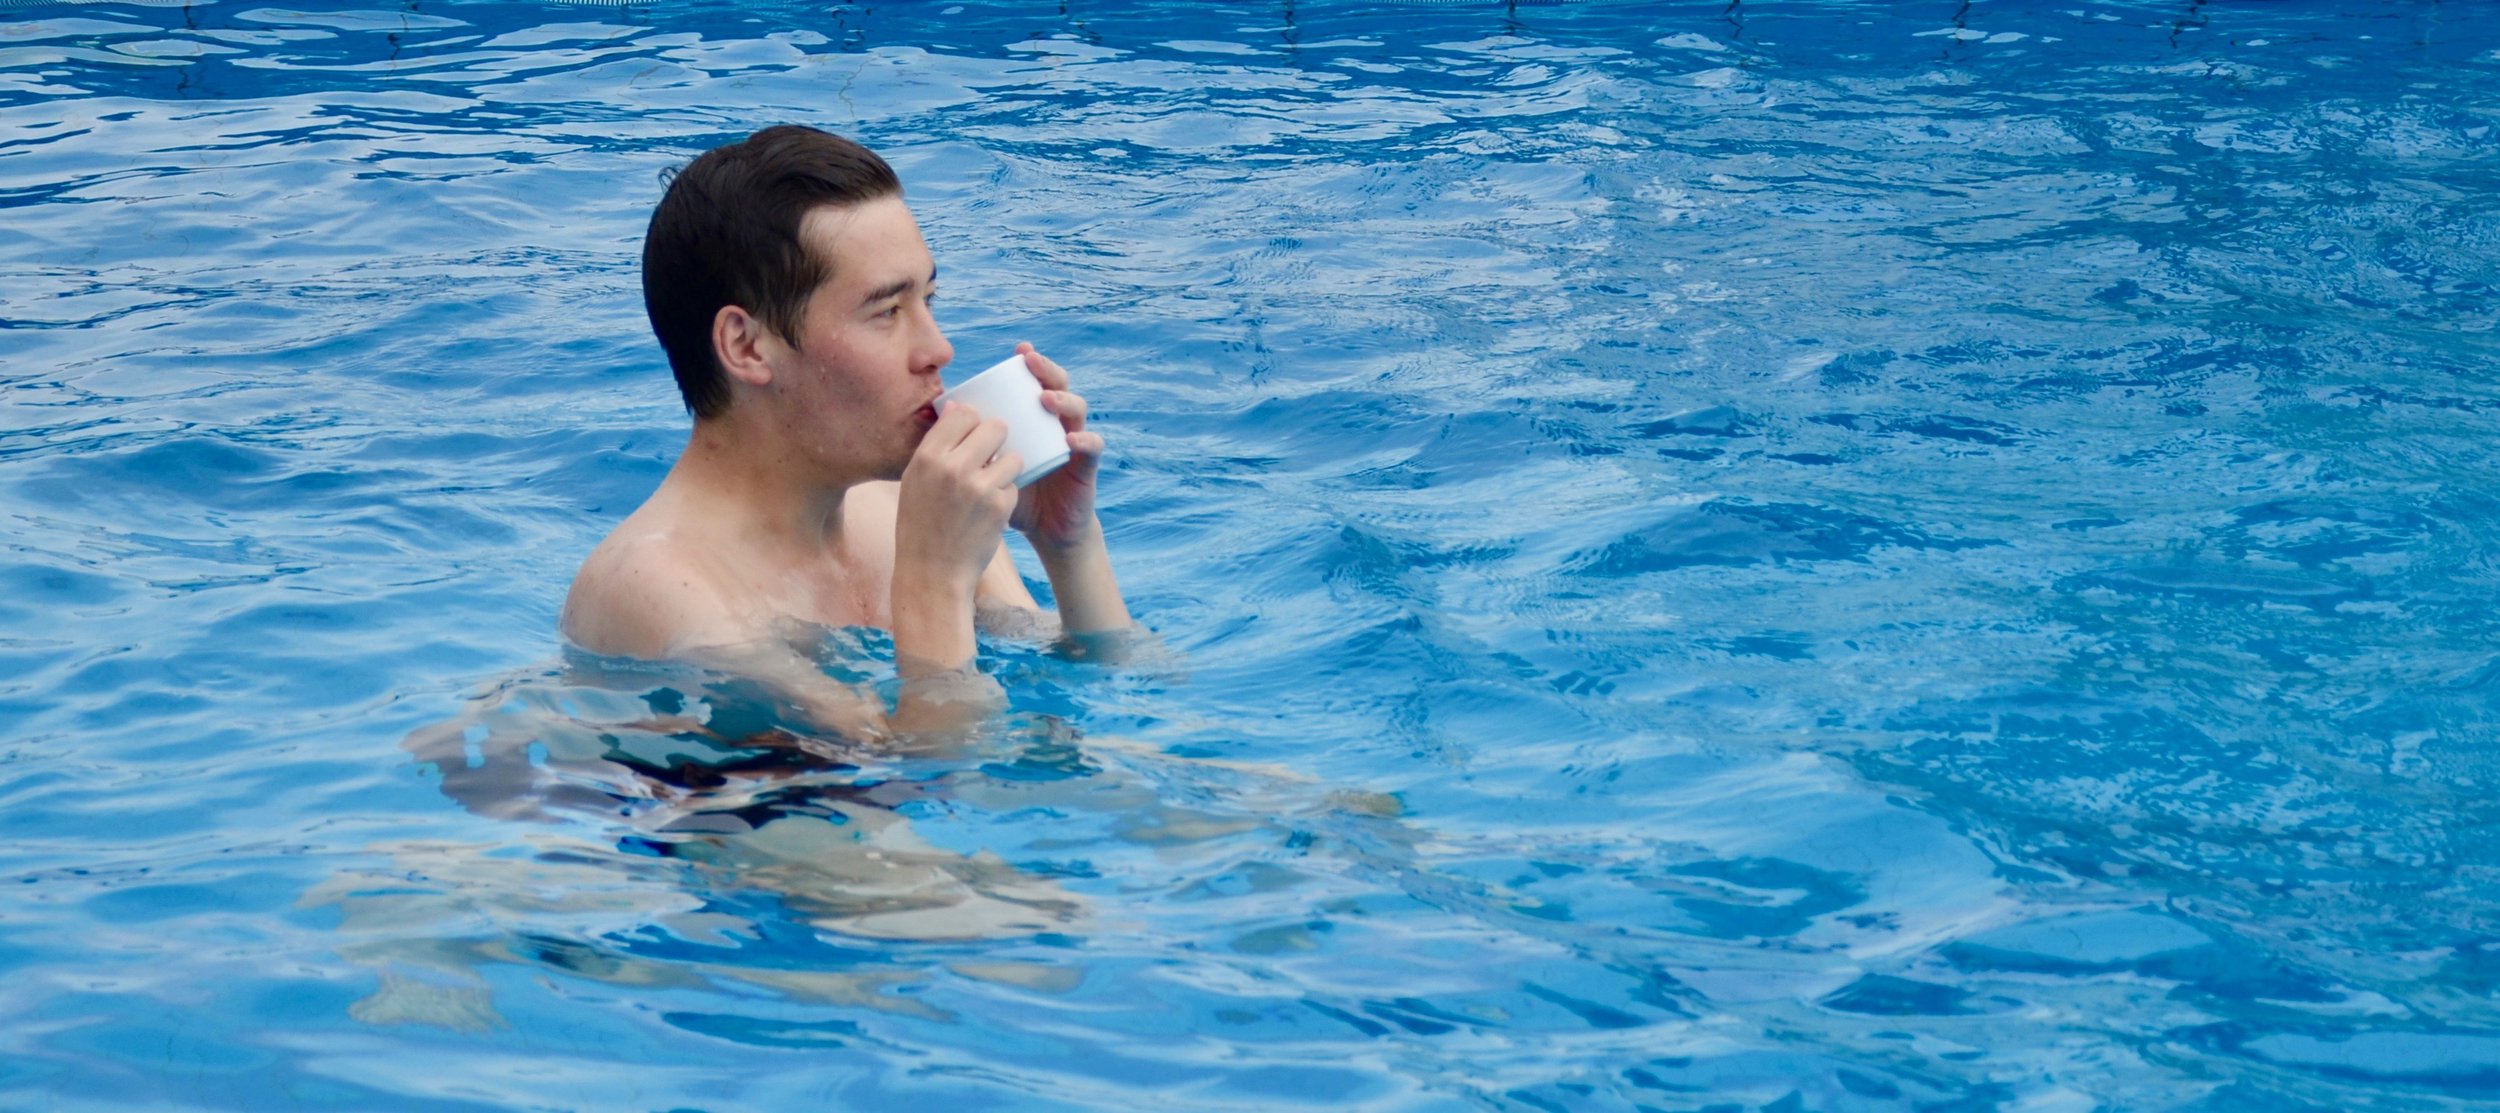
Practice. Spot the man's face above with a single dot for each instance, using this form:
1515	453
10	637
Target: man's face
856	390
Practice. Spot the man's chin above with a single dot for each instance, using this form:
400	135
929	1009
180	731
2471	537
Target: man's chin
893	469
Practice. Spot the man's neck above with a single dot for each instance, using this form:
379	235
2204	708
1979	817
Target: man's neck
764	492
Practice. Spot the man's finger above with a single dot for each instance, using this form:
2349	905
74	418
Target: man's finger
984	441
955	422
1070	407
1003	469
1053	376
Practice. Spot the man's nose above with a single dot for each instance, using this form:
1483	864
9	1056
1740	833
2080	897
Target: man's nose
935	351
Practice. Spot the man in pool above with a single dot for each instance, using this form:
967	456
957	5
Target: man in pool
791	289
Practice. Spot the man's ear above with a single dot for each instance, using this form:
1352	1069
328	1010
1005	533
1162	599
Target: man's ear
744	345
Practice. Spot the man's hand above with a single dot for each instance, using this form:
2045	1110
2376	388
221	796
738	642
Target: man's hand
1057	511
955	497
956	494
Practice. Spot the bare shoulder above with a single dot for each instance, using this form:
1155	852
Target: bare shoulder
644	593
873	504
868	517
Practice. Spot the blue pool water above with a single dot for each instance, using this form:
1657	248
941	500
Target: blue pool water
1789	556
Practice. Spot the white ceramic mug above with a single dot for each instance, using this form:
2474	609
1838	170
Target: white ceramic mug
1008	391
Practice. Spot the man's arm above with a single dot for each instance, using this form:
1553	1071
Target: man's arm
1057	515
1081	579
953	502
932	709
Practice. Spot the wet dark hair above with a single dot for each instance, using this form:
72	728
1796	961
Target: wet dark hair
727	233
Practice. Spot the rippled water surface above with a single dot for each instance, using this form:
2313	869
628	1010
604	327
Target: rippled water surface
1799	556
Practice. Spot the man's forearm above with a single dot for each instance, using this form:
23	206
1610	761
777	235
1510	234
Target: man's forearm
932	625
1081	580
942	695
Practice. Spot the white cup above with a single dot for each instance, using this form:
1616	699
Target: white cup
1008	391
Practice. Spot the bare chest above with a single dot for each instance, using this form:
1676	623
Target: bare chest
843	594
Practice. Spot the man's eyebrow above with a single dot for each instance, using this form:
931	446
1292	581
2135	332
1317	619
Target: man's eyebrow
897	286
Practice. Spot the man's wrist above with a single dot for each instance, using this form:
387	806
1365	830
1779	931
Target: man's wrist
932	621
1090	537
1082	582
